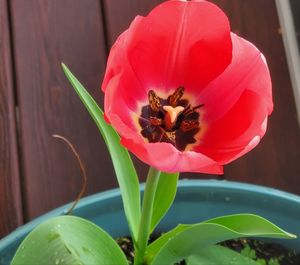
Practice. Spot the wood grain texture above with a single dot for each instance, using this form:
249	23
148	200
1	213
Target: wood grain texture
275	162
10	197
47	33
119	16
295	6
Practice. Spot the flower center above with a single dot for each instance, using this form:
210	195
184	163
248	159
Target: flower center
172	120
171	115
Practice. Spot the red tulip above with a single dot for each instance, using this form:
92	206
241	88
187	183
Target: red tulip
183	92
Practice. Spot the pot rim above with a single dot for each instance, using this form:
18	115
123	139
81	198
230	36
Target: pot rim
182	184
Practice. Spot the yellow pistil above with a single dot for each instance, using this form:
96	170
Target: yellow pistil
171	115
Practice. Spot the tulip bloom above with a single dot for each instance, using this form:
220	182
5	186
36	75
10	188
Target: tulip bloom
184	93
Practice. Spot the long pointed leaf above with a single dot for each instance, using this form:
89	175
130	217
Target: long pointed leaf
251	224
124	168
218	255
164	196
66	240
169	248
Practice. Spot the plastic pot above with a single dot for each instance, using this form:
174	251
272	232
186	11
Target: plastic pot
196	201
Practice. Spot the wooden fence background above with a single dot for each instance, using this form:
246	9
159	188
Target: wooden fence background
37	172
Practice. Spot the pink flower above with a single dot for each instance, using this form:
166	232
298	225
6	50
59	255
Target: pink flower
183	92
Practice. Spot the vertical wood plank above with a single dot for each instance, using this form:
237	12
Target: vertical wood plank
295	6
275	161
119	16
47	33
10	197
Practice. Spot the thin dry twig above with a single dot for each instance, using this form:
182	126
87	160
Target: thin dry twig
82	168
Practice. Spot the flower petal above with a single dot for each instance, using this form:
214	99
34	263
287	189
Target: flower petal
178	43
163	156
253	143
248	70
189	44
128	85
119	108
233	134
167	158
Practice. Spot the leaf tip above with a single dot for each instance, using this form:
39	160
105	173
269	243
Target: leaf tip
292	236
64	67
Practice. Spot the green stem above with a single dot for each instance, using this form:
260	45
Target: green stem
146	217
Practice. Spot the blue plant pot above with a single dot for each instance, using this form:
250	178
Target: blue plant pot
196	200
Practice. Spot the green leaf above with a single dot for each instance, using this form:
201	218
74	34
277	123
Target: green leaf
185	240
68	240
124	168
247	251
251	225
164	197
218	255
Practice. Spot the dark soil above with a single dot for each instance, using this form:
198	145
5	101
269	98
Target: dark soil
126	245
262	252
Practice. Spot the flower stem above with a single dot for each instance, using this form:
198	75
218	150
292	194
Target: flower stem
146	217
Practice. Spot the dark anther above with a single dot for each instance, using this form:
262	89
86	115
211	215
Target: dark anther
155	121
188	109
154	101
188	125
171	120
198	107
176	96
